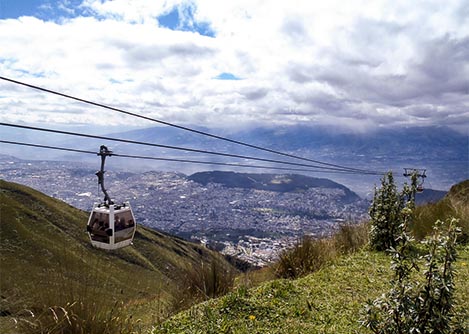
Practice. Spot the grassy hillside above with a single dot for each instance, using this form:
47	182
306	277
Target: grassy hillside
46	260
454	204
328	301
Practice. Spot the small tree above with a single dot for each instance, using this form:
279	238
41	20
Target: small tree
393	312
435	300
385	214
412	306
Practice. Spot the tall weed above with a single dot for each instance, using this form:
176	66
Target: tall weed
202	282
351	237
307	256
65	305
425	216
310	254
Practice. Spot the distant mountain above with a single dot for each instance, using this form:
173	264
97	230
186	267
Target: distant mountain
410	143
400	140
270	182
429	196
441	150
45	249
417	142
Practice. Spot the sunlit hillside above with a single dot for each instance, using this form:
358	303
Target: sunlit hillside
46	260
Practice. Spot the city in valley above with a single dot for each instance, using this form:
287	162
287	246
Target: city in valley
251	224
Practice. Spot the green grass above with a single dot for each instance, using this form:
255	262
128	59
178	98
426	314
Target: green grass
49	269
48	265
309	255
327	301
454	204
332	299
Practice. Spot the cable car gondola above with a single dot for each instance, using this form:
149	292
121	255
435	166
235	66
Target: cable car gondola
419	174
110	226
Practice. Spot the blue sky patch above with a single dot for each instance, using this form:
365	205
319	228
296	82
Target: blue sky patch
182	18
47	10
170	20
227	76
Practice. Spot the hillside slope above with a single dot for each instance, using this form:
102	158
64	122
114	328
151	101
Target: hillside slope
328	301
454	204
44	248
270	182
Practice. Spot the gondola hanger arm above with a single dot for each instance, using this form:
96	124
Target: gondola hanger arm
104	152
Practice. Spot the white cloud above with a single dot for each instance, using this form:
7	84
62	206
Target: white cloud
359	63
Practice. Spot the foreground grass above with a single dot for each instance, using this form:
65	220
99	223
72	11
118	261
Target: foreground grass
53	281
328	301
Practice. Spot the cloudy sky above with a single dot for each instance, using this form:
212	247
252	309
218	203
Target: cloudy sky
355	64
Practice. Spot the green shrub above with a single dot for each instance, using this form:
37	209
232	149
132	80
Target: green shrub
307	256
435	300
422	305
385	215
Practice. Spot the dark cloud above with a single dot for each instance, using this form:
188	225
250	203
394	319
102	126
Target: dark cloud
254	93
189	50
432	90
157	85
155	53
440	68
444	66
320	101
299	73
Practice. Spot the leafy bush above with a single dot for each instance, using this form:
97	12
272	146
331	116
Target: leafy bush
419	306
385	215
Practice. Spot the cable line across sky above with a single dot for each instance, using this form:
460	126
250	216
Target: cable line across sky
174	159
187	149
330	165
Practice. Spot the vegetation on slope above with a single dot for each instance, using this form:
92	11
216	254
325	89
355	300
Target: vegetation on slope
330	300
47	263
454	204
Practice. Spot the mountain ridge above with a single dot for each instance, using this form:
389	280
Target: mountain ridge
442	151
269	182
